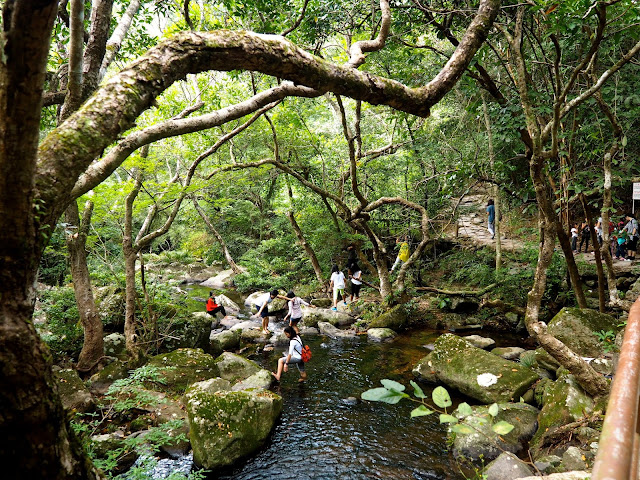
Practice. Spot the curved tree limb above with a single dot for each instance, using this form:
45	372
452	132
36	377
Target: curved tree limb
358	49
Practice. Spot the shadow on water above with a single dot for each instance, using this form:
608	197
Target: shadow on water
322	434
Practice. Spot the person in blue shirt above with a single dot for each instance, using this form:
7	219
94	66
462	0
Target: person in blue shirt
491	213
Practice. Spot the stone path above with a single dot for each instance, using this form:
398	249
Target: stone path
472	225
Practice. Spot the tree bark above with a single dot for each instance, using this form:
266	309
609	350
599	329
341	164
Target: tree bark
93	346
574	274
223	244
307	248
596	253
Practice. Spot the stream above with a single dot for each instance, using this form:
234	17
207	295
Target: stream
326	431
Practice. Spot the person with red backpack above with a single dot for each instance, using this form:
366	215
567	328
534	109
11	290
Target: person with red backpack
298	354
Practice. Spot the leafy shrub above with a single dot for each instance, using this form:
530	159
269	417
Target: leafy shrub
62	332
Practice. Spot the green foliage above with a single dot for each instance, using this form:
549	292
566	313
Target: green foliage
62	331
528	359
607	338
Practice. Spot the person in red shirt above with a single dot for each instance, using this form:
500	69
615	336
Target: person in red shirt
213	307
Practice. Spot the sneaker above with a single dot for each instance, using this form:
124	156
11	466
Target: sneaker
345	303
334	309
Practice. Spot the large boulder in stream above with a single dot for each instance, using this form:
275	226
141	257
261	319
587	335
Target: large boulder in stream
187	332
235	368
219	281
223	341
478	373
183	367
484	442
334	332
228	425
576	328
396	319
311	317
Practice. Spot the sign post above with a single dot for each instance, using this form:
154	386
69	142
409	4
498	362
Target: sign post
635	196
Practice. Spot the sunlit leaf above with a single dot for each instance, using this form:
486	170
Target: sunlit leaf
493	410
461	428
392	385
465	409
421	411
417	391
381	394
502	427
444	418
441	397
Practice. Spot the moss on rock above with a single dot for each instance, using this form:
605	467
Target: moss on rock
185	366
226	426
575	327
235	368
478	373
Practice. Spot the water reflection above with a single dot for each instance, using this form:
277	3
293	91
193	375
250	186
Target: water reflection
324	434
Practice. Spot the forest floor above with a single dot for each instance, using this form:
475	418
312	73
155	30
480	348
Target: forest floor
472	225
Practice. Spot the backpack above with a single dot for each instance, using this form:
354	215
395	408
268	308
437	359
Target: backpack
305	353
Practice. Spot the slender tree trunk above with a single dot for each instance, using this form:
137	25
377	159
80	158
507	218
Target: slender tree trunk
596	253
151	324
308	249
130	253
223	244
93	346
496	189
574	274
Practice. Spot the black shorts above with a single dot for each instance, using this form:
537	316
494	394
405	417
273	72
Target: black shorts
355	289
265	311
632	244
294	321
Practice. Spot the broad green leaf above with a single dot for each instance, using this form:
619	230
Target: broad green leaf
441	397
420	411
465	409
493	410
417	391
624	141
381	394
392	385
502	427
444	418
461	428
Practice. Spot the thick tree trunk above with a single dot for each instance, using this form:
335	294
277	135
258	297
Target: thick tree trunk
93	346
35	441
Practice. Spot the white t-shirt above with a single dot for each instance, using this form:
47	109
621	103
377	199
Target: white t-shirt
265	298
338	279
574	232
355	278
295	348
294	307
599	226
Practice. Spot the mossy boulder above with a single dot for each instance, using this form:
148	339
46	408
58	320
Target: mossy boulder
226	426
424	371
576	328
223	341
478	373
396	319
563	402
187	332
334	332
115	345
74	394
322	302
381	334
235	368
508	353
546	361
507	467
262	379
116	370
110	301
185	366
311	317
484	442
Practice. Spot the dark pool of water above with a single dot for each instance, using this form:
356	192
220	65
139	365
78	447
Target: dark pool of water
321	435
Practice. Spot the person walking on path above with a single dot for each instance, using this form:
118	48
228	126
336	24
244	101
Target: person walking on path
213	307
356	281
295	310
491	217
403	253
574	237
585	233
632	240
337	282
263	308
294	355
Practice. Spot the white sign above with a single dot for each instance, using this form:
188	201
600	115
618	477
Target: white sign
636	191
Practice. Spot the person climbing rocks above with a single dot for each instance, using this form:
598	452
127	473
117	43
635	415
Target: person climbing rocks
294	355
403	253
337	282
491	217
295	310
356	281
263	308
632	239
213	307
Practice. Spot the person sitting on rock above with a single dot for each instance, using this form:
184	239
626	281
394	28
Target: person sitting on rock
213	307
293	356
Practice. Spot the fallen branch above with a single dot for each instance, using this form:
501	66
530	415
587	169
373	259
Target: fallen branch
460	293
